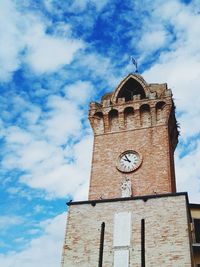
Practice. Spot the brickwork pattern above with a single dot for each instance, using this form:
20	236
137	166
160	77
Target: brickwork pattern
152	177
146	125
166	233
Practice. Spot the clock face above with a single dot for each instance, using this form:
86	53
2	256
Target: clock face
128	161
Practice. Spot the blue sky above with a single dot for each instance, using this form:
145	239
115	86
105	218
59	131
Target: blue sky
55	57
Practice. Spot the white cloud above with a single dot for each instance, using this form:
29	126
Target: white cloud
47	53
9	34
188	174
39	208
43	251
179	66
83	156
81	5
9	221
154	37
60	178
100	66
41	148
32	114
171	9
182	74
47	168
80	92
75	6
65	116
24	39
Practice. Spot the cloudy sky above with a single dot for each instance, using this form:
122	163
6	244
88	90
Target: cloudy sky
55	57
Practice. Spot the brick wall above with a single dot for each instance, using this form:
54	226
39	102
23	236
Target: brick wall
146	125
167	240
154	176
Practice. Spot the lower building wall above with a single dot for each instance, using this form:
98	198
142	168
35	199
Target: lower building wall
163	222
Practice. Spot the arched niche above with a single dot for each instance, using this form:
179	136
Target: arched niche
145	115
132	87
129	118
160	111
98	123
113	120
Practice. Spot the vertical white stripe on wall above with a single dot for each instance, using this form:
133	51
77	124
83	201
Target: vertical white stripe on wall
121	258
122	229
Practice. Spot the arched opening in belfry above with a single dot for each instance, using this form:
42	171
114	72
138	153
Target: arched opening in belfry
113	120
98	123
159	111
130	89
145	115
129	118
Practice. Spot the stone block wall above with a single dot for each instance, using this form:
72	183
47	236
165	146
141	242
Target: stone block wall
167	239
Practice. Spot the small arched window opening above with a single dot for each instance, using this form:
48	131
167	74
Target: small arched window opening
113	120
98	122
129	117
145	115
159	111
130	89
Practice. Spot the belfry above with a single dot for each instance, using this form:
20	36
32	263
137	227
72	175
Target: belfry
133	216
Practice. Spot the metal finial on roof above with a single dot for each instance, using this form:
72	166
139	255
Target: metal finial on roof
134	62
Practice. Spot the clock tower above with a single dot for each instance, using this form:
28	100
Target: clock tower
135	135
133	216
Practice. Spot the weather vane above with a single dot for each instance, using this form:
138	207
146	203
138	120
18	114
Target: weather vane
134	62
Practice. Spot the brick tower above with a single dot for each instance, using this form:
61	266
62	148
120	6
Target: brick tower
134	217
139	119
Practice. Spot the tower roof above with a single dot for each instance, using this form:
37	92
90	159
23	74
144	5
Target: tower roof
134	84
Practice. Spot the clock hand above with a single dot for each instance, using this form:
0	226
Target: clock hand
127	158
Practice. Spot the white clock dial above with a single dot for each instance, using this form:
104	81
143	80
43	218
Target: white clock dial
128	161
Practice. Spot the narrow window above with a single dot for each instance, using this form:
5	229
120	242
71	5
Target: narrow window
98	123
129	118
197	230
159	111
143	243
101	244
113	119
145	115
